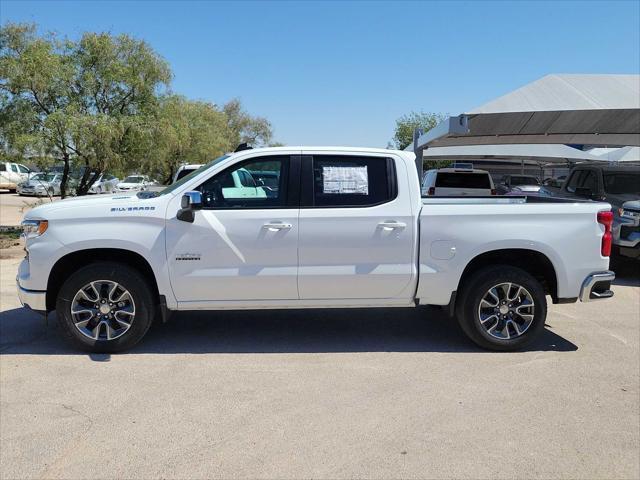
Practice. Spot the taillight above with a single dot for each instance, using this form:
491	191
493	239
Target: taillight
493	191
432	191
606	218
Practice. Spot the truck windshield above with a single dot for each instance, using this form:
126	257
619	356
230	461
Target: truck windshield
186	178
621	183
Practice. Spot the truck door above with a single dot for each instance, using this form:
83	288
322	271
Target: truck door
356	228
243	244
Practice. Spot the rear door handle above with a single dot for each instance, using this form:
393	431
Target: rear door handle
275	226
392	225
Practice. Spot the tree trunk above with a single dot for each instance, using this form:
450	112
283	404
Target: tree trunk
88	178
65	175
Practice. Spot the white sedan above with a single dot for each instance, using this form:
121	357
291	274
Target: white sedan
134	183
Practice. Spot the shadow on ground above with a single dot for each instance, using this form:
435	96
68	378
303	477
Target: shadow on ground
423	329
627	271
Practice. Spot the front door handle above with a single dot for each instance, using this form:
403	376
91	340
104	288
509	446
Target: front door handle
274	227
391	225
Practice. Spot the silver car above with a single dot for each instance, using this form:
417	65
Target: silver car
41	184
104	184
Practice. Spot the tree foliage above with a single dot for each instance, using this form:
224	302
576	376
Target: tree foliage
406	124
101	102
187	131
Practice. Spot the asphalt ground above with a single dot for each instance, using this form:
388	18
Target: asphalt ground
376	393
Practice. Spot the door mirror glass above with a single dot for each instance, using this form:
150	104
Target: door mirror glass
191	200
189	203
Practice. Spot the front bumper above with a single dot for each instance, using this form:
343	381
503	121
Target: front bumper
33	299
597	286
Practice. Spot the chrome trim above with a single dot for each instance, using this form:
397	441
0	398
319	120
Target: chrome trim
590	281
34	299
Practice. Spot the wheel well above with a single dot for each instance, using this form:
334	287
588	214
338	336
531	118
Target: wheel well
532	262
71	262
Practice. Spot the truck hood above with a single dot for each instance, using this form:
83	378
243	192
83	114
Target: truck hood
100	206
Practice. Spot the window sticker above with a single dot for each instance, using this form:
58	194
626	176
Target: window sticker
345	180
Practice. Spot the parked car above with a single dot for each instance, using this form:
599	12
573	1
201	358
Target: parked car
626	230
12	175
616	184
519	184
185	170
347	228
105	183
134	183
41	184
457	181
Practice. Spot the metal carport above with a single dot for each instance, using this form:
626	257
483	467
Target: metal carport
556	109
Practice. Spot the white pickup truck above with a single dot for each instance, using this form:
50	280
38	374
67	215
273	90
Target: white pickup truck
310	228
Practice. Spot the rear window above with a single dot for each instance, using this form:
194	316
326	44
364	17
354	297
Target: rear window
346	181
463	180
621	183
519	180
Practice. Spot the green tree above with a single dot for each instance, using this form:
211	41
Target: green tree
256	131
91	101
187	132
406	124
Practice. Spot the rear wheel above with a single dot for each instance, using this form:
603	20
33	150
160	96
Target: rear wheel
105	307
502	308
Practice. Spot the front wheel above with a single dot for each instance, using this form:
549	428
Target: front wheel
502	308
105	307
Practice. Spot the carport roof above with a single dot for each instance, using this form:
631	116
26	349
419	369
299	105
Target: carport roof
554	153
564	109
625	154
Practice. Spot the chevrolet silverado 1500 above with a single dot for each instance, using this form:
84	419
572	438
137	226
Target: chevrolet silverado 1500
310	228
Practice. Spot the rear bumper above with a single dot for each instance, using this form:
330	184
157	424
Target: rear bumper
597	286
33	299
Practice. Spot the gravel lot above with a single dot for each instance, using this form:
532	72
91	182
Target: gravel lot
13	207
324	394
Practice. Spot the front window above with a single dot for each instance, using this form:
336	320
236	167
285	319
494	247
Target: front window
43	177
133	179
236	187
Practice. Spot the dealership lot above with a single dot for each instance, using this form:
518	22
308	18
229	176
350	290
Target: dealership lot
325	394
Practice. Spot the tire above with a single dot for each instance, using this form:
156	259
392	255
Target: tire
516	321
103	276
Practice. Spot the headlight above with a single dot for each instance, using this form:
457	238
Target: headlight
34	228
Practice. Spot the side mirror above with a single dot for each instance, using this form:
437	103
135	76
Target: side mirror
189	203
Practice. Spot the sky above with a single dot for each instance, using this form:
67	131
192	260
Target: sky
341	73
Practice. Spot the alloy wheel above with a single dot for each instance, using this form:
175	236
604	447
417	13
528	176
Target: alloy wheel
103	310
506	311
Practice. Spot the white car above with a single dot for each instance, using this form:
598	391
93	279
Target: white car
345	227
134	183
41	184
185	170
12	175
457	182
104	184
